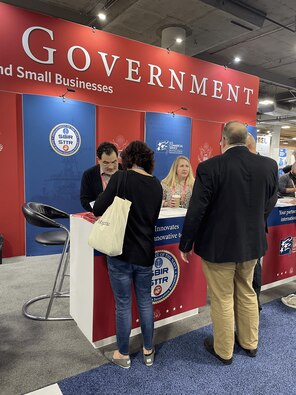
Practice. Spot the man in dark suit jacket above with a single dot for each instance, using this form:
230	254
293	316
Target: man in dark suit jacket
232	197
95	179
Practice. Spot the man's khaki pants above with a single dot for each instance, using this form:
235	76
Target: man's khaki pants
232	298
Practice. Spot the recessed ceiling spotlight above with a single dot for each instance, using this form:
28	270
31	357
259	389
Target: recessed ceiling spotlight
179	40
258	130
237	59
286	127
268	131
266	102
102	16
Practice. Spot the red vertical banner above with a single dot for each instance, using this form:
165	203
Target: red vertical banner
205	138
279	261
11	175
118	126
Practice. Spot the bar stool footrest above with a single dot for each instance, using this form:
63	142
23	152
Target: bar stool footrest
44	318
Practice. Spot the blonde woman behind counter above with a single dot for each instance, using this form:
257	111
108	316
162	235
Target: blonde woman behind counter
180	182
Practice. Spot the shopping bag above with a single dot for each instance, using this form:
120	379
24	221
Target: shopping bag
108	231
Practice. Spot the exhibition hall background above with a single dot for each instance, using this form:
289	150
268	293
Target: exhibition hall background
124	90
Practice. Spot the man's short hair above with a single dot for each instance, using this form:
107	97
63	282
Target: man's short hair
106	148
235	132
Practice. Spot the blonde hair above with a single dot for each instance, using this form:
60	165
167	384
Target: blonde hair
172	179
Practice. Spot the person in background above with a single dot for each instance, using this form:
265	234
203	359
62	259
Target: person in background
287	183
232	196
135	263
287	168
257	279
95	179
179	181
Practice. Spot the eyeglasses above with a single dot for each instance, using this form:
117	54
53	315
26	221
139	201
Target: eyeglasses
106	163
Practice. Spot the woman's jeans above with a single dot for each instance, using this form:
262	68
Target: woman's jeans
121	275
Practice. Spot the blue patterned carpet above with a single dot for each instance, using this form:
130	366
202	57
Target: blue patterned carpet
182	366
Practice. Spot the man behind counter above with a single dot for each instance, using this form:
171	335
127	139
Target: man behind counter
287	183
95	179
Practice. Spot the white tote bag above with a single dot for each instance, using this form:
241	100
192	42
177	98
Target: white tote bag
108	231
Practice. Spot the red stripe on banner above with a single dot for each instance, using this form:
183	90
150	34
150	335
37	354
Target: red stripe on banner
118	126
205	139
11	168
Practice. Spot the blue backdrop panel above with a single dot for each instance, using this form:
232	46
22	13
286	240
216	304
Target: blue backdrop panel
169	136
253	131
52	178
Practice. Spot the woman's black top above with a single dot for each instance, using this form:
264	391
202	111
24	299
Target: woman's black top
145	193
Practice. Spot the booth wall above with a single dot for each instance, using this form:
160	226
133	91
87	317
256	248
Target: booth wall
51	54
119	126
123	78
205	141
59	144
169	136
11	175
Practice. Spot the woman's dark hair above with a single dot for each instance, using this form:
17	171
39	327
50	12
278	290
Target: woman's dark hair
138	153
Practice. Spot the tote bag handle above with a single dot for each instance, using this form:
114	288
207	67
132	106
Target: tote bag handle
121	180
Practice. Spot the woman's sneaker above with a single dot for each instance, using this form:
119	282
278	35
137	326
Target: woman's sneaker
123	363
290	301
149	359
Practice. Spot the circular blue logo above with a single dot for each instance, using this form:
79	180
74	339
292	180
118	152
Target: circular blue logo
65	139
165	275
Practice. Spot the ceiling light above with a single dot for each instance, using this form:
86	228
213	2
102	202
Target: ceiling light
268	131
286	127
258	130
293	138
237	59
102	16
266	102
179	40
285	142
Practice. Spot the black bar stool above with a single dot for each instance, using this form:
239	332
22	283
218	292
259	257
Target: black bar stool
41	215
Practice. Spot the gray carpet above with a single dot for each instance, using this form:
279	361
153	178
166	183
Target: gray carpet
35	354
32	353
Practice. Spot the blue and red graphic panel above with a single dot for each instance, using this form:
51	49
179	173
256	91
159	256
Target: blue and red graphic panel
280	260
59	141
169	136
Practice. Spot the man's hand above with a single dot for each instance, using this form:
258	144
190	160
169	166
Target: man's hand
184	256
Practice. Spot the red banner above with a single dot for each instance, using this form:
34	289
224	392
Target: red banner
189	293
205	141
11	175
45	55
119	126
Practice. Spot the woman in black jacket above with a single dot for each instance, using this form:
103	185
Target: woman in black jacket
136	261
